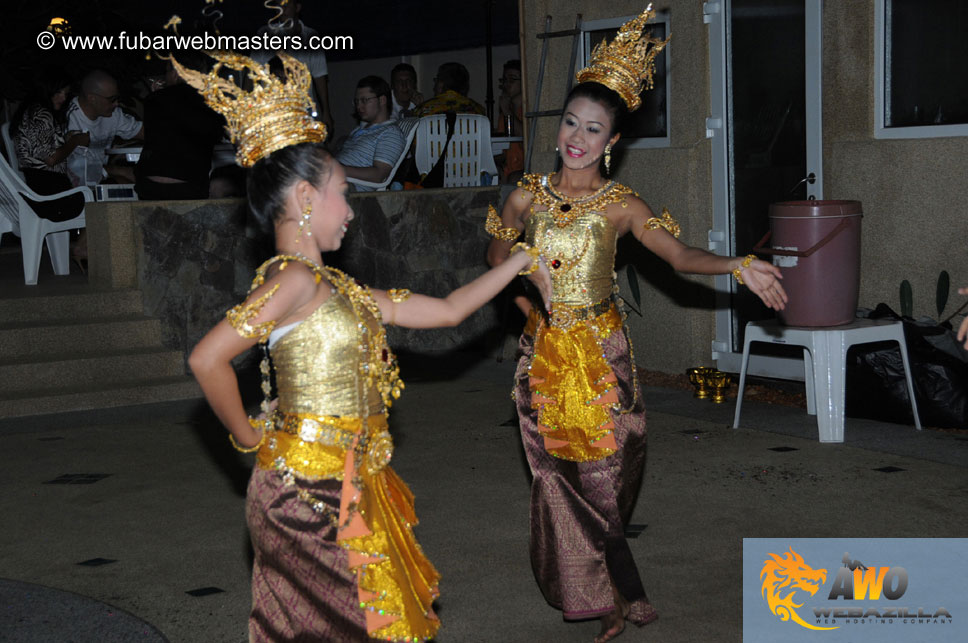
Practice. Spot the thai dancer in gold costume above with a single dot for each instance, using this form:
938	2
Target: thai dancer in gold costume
580	408
330	521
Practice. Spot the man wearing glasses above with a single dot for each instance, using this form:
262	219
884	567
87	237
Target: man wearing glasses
95	112
372	149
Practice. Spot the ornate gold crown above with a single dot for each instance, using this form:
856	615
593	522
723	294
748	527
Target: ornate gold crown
627	64
273	115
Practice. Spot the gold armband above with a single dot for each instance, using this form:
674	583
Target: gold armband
738	272
532	252
666	222
493	227
398	295
240	317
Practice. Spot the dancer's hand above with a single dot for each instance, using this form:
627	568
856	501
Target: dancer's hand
541	278
763	279
963	329
272	407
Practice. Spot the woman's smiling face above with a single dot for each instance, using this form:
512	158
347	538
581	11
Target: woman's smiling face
584	132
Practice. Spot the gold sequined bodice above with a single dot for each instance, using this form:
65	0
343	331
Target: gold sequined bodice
317	363
575	238
580	256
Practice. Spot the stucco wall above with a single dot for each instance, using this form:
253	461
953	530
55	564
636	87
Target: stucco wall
915	213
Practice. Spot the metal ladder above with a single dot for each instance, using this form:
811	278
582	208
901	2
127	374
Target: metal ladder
545	36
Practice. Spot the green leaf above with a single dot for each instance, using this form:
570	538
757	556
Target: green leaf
944	287
907	299
633	284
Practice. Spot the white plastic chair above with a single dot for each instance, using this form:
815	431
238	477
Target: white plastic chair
469	153
10	149
33	230
408	126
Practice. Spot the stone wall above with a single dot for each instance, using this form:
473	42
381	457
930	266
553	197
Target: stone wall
193	260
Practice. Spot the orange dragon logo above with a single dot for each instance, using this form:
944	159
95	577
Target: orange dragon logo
789	572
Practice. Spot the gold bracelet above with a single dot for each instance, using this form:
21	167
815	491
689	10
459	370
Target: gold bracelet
397	296
254	423
738	272
493	227
534	253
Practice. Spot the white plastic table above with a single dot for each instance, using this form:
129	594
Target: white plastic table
824	364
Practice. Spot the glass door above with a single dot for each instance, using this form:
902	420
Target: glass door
765	57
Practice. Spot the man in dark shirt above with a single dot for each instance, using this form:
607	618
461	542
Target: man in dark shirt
180	134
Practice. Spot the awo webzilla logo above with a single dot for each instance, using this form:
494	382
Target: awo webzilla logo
858	594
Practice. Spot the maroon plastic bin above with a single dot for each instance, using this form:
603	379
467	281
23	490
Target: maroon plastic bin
816	245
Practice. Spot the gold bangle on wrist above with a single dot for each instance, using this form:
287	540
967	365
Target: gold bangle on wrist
738	272
255	424
532	252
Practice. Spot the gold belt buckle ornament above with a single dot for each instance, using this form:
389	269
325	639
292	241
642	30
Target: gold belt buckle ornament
563	317
379	452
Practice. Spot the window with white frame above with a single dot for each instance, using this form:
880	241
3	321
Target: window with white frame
920	80
648	126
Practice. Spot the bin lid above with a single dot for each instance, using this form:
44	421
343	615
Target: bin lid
815	208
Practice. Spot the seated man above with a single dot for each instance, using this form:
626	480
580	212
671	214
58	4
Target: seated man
511	121
95	112
450	93
373	148
403	81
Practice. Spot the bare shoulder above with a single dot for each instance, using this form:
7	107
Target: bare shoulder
294	285
516	207
628	212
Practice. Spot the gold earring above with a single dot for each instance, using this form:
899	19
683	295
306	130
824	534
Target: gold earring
608	159
304	223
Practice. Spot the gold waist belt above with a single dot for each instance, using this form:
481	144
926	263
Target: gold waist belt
315	446
605	314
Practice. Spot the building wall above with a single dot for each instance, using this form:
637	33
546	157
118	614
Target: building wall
915	213
915	225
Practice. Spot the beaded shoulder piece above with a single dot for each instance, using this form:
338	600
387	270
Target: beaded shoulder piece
566	209
241	316
378	364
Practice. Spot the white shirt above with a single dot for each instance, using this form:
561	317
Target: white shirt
103	131
397	108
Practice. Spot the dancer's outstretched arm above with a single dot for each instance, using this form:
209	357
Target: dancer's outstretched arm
761	277
421	311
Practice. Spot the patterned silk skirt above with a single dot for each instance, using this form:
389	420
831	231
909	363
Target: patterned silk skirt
335	560
579	510
302	586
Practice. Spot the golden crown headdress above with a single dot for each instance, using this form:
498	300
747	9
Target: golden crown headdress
273	115
628	63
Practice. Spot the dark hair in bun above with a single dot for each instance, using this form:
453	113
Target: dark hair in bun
271	177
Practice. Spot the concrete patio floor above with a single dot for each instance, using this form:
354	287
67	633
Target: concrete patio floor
166	520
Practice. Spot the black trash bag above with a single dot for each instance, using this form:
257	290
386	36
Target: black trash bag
876	387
